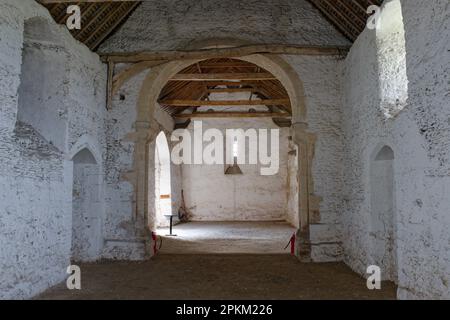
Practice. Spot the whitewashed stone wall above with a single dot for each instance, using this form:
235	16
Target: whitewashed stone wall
419	136
321	81
212	195
122	239
35	176
168	25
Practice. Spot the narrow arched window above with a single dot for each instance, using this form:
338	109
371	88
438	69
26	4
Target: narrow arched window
392	59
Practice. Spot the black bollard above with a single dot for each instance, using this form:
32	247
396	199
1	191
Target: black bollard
170	227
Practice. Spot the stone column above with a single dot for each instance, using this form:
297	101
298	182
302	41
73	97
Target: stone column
306	143
145	132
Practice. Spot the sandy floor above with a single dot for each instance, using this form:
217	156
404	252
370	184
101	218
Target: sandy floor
251	265
227	237
220	277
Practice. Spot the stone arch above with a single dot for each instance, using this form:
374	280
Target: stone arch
86	142
146	130
160	75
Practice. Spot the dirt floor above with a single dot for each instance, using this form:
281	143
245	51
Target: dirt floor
225	276
227	237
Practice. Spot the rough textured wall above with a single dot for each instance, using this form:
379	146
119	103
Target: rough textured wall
419	136
212	195
392	59
36	178
168	25
320	77
40	103
121	237
427	245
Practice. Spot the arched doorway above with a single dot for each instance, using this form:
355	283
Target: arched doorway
244	206
163	192
86	207
382	220
148	103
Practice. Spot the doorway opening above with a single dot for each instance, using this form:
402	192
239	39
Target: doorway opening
240	210
163	189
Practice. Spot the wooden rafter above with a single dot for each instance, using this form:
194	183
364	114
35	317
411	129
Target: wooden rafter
223	76
209	103
349	16
89	1
233	115
232	90
99	17
190	91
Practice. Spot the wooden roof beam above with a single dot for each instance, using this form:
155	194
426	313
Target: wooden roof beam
71	1
239	51
223	76
232	115
231	90
207	103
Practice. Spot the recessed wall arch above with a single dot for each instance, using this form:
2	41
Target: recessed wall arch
382	221
87	204
87	208
86	142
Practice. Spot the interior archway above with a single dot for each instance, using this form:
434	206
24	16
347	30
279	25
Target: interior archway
155	81
149	95
222	94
